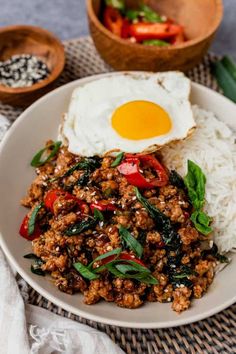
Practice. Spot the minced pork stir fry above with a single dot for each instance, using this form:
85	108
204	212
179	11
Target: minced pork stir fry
122	229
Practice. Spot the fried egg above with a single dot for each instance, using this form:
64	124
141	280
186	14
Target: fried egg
128	112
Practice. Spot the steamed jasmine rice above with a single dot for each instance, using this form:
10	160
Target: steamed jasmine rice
212	146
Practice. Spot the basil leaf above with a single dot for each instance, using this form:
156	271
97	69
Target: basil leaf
176	180
37	270
118	159
156	43
222	259
90	164
195	182
36	161
84	179
84	271
98	215
131	241
201	221
183	272
163	224
81	227
32	219
117	4
149	14
31	256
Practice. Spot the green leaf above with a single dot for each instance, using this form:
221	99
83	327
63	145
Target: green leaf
225	80
131	241
229	65
195	182
32	219
176	180
117	4
132	14
163	224
90	164
84	271
98	215
81	227
36	270
222	258
114	252
118	159
36	161
201	221
150	15
31	256
156	43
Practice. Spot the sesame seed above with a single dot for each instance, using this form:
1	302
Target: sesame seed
22	71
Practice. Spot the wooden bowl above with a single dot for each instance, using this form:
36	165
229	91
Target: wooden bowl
31	40
200	19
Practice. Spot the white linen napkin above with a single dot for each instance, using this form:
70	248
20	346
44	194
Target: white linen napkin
33	330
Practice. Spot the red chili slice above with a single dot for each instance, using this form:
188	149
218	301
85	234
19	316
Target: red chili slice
130	168
113	20
53	194
103	205
24	230
142	31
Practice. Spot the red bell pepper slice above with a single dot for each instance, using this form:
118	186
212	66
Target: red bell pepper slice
113	20
24	230
103	205
123	257
53	194
142	31
130	168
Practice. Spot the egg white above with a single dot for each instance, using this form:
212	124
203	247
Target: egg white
87	125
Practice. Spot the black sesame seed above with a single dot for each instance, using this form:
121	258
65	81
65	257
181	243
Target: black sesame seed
22	71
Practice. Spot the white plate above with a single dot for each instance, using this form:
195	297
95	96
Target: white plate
28	134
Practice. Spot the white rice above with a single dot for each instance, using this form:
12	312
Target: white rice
212	146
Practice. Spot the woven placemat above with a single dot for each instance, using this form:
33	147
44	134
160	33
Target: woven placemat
216	334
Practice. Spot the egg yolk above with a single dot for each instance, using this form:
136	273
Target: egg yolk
137	120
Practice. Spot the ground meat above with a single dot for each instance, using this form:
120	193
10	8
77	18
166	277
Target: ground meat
188	235
181	299
59	252
98	289
143	221
70	282
129	301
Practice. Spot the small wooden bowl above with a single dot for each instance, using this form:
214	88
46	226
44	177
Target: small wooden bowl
36	41
200	19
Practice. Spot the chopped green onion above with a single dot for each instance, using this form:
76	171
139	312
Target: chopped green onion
98	215
132	14
131	241
32	219
225	80
229	65
118	159
36	161
149	14
84	271
117	4
156	43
